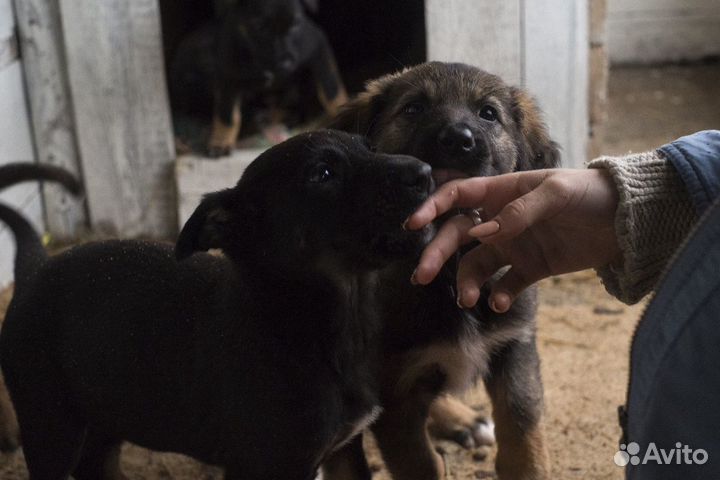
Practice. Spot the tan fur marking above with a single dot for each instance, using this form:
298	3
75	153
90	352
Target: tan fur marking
448	415
521	454
223	136
332	106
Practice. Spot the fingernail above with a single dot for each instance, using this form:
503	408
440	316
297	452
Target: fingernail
413	277
500	302
405	224
485	229
458	300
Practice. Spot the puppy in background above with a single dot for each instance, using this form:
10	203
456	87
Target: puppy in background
464	122
252	47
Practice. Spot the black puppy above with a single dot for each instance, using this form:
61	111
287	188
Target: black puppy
11	174
260	361
253	46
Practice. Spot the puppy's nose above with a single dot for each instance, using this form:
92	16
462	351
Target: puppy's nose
414	174
456	138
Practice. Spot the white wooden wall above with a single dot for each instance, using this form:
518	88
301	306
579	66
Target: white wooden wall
15	138
654	31
41	44
117	80
539	44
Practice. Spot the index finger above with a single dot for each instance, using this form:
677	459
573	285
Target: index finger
490	192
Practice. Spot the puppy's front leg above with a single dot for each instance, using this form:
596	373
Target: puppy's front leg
516	391
226	122
330	88
402	435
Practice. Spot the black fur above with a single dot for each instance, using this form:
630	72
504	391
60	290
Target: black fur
260	360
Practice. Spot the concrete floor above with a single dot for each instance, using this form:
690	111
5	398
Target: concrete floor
649	107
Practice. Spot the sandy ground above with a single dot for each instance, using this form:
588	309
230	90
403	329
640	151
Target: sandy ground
584	334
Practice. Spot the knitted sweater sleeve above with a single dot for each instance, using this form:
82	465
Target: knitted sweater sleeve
653	217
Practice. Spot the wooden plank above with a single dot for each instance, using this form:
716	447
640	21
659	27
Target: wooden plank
484	33
117	79
196	176
15	145
645	6
646	31
556	71
8	42
7	20
49	97
15	138
8	51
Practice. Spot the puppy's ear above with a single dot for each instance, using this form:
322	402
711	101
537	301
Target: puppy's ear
541	150
359	115
355	116
209	226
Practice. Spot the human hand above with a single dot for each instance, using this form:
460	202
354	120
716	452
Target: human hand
540	223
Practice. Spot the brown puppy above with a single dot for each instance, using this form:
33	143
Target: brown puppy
251	48
463	122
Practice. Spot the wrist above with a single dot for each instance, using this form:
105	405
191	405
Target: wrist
652	217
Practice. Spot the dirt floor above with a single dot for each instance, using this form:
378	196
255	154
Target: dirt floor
584	333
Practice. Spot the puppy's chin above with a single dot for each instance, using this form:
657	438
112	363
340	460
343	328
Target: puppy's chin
387	248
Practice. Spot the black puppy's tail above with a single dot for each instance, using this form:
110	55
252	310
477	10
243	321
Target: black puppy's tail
12	173
30	250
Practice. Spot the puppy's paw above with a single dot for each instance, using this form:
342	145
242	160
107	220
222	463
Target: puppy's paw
450	419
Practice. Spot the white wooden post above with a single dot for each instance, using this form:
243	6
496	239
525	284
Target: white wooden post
15	139
484	33
117	79
557	65
51	112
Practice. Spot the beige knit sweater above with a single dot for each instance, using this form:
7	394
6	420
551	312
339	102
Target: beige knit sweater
654	215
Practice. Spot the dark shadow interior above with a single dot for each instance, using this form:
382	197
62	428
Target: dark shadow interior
369	38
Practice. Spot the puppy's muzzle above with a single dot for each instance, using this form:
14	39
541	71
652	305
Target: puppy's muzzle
412	174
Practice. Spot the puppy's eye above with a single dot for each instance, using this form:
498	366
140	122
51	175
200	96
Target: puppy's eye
320	173
488	113
414	108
